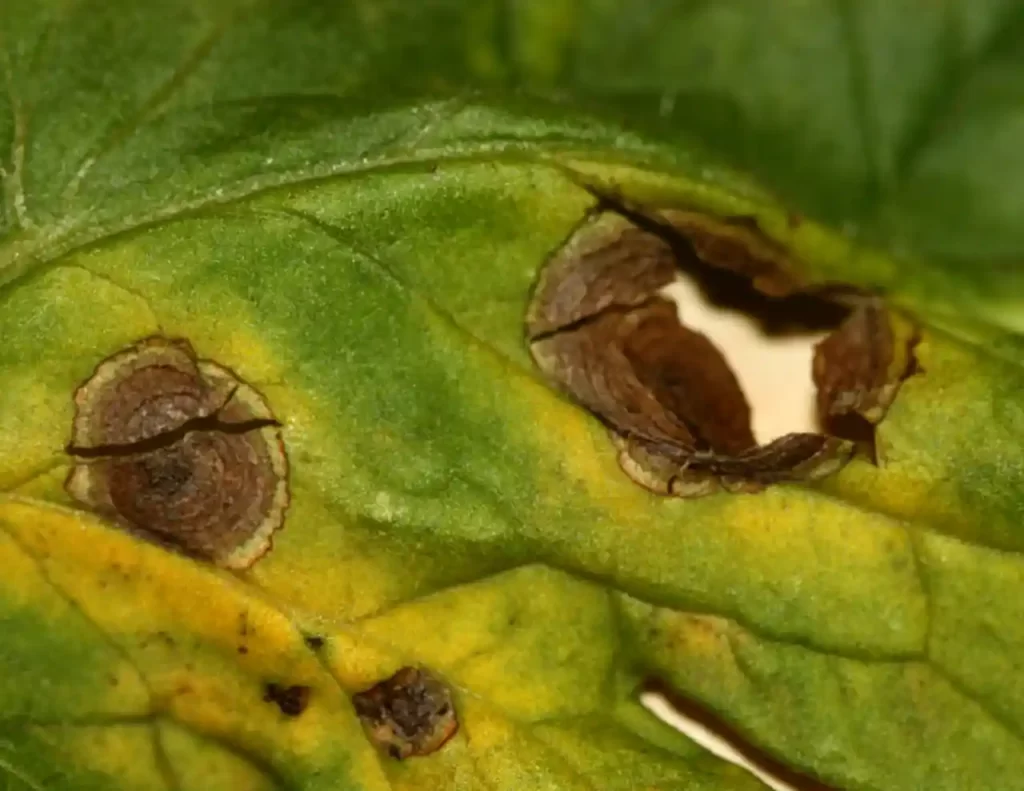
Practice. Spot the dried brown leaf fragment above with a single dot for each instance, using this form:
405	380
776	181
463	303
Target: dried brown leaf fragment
859	367
737	245
601	330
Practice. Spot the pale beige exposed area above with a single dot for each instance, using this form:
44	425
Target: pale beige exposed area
775	374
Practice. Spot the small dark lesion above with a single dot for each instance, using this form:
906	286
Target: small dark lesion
292	699
600	329
412	713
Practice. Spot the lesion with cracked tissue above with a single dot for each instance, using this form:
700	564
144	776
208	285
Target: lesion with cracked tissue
602	330
180	451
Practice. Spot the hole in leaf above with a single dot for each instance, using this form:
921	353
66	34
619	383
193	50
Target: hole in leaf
179	451
717	737
411	713
637	318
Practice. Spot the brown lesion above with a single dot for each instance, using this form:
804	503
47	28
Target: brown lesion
736	244
858	368
181	451
412	713
600	329
291	699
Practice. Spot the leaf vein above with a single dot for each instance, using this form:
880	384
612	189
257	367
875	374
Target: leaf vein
151	106
74	236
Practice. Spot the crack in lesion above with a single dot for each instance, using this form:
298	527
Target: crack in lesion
204	423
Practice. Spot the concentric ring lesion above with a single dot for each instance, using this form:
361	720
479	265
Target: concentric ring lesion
181	451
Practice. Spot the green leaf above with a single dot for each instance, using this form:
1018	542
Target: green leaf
347	204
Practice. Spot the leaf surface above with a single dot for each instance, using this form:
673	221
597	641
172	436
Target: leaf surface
347	205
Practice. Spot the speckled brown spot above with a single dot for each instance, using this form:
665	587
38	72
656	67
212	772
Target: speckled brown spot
180	451
409	714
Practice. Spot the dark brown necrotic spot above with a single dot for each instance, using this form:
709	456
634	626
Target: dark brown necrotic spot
181	451
737	245
601	331
291	700
409	714
858	368
704	395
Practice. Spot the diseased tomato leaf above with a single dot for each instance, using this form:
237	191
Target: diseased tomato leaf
347	205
